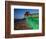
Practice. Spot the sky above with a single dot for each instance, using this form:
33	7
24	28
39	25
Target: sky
19	13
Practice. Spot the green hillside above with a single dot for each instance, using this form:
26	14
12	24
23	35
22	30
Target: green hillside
32	22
